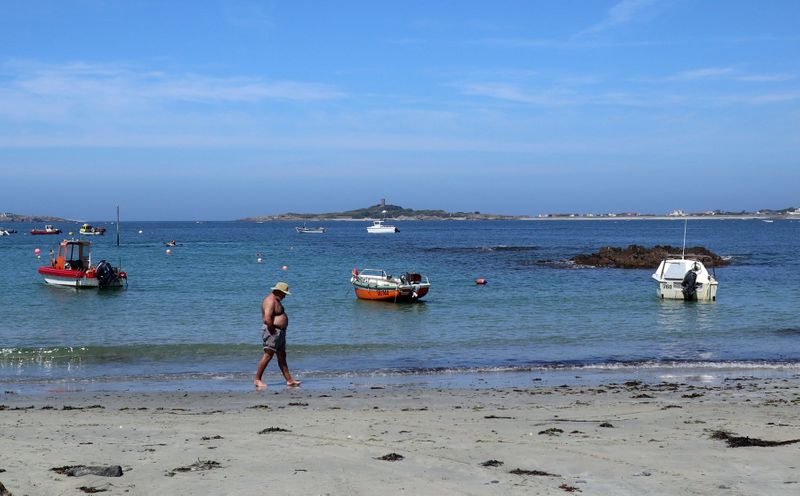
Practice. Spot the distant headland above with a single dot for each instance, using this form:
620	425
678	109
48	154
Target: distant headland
397	212
382	209
11	217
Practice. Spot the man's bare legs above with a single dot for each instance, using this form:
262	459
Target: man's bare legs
262	365
285	370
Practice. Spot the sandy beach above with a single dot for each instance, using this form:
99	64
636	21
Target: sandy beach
623	438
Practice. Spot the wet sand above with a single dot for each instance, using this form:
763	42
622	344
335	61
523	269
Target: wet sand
623	438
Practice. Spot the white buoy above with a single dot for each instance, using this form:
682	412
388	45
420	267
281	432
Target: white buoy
169	251
285	267
140	231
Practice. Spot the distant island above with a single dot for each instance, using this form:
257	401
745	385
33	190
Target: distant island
395	212
11	217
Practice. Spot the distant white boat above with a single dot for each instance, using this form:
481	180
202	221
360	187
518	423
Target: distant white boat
310	230
380	227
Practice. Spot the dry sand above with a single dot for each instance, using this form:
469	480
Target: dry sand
615	439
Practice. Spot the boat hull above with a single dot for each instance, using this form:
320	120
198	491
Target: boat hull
75	278
382	230
376	294
669	290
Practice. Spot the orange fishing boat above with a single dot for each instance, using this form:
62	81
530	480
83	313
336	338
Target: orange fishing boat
72	266
376	284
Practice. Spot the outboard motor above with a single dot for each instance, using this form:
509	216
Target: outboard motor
105	273
689	286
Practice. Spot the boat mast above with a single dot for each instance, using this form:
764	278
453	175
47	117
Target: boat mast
683	253
117	225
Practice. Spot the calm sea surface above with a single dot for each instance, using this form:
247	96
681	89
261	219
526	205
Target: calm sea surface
191	319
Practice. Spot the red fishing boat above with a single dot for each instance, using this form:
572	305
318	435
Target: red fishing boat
375	284
48	229
72	266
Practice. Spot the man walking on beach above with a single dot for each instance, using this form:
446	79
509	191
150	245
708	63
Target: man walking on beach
273	334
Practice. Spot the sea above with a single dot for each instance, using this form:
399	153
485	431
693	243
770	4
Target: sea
189	318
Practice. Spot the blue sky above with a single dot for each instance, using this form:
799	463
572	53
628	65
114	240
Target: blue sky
186	110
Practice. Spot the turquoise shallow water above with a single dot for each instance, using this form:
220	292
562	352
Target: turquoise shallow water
192	317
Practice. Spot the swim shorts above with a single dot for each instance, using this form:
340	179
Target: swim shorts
273	342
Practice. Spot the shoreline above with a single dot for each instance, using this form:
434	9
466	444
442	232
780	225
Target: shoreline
698	373
628	437
525	218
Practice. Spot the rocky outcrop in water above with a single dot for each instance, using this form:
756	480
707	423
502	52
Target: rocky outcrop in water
640	257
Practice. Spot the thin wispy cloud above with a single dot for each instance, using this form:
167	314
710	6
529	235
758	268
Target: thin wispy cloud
120	84
559	96
702	73
622	13
724	73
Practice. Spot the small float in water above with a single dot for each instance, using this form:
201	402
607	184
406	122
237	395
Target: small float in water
72	267
376	284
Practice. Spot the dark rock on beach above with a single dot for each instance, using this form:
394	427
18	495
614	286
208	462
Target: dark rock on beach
81	470
640	257
3	490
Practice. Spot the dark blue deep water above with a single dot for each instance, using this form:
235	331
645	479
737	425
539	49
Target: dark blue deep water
192	317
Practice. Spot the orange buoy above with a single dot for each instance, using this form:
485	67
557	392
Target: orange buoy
480	281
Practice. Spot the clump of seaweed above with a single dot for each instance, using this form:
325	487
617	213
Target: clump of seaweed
744	441
391	457
273	429
553	431
197	466
538	473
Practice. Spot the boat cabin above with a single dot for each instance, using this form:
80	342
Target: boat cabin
72	255
675	267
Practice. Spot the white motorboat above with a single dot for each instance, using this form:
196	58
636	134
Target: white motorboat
378	227
685	277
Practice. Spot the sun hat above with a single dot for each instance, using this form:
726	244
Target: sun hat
282	287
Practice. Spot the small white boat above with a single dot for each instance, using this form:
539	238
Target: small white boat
685	277
310	230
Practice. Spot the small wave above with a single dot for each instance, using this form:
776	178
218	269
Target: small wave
482	249
788	331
